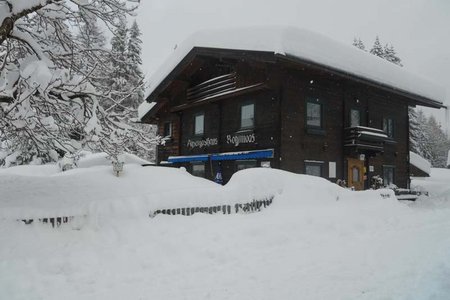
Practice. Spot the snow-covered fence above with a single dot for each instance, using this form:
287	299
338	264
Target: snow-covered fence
254	206
55	222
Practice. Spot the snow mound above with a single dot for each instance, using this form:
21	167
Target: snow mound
437	186
101	159
94	191
315	234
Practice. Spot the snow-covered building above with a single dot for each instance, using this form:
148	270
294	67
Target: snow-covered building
448	160
284	98
419	166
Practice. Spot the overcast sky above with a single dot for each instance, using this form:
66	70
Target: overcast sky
418	29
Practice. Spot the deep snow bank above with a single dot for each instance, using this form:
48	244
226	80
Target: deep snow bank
42	191
358	245
437	186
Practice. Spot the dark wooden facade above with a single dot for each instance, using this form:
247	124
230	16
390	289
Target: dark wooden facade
217	82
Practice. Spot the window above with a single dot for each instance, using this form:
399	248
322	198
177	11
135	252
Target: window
356	174
198	169
313	168
388	175
314	114
388	127
168	129
355	117
245	164
248	115
199	124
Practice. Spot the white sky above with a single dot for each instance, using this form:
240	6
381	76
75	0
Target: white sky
419	29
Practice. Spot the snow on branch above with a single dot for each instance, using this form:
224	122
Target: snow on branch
57	90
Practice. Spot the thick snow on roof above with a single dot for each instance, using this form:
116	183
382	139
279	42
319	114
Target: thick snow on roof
448	159
306	45
144	108
419	162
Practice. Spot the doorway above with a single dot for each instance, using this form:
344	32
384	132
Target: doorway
355	173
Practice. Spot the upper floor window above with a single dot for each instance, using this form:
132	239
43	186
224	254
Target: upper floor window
314	116
199	124
388	127
248	115
355	117
314	113
167	129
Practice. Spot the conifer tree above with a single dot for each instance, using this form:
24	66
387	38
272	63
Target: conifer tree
377	48
359	44
134	60
391	55
95	66
422	140
119	75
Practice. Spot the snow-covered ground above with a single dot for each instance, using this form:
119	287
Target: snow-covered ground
438	187
316	241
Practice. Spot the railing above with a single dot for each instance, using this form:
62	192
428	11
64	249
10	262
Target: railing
212	87
249	207
254	206
365	138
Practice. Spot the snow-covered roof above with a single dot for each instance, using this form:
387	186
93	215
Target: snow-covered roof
305	45
144	108
419	162
448	159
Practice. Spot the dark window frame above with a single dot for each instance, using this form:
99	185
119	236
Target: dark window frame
198	164
247	103
392	168
253	162
195	124
169	123
314	164
350	116
313	129
390	133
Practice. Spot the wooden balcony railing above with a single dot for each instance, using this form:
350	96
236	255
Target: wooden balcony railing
360	138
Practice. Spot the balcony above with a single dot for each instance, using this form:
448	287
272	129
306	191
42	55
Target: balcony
365	139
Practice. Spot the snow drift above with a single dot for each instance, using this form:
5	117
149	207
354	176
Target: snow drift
92	190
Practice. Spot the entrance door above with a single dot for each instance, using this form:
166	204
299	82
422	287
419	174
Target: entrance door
355	173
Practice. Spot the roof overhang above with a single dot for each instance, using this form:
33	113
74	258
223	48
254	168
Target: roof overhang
301	47
417	99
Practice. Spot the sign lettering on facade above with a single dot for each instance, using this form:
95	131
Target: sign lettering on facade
241	139
202	143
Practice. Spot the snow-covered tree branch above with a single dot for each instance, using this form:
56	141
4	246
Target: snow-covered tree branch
55	72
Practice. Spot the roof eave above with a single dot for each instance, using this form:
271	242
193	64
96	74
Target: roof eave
420	100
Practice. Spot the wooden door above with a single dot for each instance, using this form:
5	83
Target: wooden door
355	173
